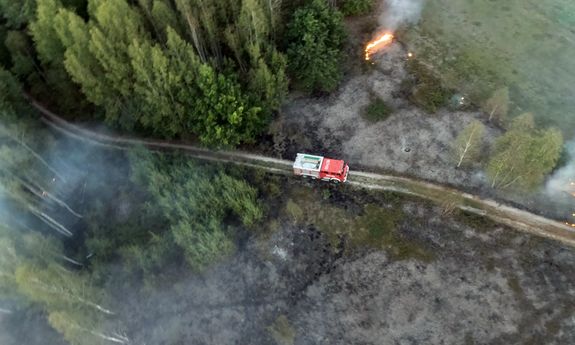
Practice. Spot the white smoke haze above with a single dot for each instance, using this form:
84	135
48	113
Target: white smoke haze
400	12
560	182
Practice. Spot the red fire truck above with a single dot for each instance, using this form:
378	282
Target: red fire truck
321	168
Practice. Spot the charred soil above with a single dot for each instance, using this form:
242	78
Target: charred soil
331	269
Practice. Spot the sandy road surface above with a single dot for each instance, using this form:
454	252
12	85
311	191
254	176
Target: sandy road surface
511	216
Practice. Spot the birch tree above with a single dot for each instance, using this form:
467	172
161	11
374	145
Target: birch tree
33	269
79	330
9	261
28	180
524	155
20	248
497	106
467	145
57	287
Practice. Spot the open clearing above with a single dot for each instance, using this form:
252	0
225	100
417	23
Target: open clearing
526	45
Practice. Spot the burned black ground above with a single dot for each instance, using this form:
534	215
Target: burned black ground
475	283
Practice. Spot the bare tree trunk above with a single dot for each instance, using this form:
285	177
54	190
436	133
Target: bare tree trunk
51	222
467	146
494	182
511	182
115	339
44	194
193	25
33	153
70	260
61	290
493	112
121	340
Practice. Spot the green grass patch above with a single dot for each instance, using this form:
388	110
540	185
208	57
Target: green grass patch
424	88
377	110
475	221
293	211
480	46
282	331
376	227
515	286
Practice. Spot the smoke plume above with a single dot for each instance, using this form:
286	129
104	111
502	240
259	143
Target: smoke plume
399	12
561	181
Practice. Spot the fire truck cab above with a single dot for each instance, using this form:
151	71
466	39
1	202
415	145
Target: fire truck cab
321	168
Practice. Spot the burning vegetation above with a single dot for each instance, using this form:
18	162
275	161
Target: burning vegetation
378	44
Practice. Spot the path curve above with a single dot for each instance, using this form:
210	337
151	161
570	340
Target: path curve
447	196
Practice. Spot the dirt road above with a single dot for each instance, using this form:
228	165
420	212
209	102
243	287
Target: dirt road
449	197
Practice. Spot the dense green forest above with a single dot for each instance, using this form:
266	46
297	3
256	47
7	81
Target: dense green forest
213	71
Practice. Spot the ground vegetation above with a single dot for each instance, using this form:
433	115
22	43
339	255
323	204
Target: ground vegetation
524	155
377	110
424	88
479	47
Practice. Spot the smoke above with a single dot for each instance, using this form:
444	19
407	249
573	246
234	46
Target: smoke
560	182
56	177
400	12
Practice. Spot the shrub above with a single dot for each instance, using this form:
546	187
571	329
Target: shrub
425	90
282	332
355	7
379	228
377	110
294	212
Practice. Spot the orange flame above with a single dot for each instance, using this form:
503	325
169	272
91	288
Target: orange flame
377	44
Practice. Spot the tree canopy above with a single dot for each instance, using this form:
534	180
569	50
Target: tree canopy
355	7
315	35
524	155
467	145
195	203
173	69
497	106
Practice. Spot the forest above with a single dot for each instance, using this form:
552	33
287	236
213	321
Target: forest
82	225
214	72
